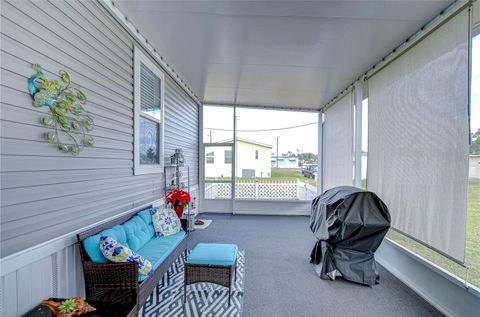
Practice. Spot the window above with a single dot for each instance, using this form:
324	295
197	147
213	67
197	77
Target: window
228	156
210	158
148	115
266	155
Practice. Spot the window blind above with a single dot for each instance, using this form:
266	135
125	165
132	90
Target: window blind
150	95
418	138
338	143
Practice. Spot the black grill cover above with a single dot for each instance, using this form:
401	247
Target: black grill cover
350	224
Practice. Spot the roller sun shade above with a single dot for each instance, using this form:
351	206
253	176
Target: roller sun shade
418	138
338	143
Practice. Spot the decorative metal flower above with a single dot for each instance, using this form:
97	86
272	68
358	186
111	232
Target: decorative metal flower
67	115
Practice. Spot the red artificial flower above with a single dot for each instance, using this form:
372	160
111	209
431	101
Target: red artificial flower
178	197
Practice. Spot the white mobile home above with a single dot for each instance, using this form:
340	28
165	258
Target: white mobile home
252	157
284	161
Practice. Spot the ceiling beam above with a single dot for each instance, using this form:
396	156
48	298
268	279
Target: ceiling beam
314	109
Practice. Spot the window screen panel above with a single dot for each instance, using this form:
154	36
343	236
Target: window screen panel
150	94
338	144
418	138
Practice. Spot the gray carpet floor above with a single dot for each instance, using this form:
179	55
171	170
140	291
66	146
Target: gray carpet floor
280	281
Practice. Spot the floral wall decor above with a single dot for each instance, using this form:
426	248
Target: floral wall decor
66	117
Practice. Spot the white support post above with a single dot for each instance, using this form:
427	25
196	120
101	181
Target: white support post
358	132
320	154
234	160
201	161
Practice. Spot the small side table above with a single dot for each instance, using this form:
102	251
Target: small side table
104	309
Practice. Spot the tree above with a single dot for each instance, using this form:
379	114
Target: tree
149	157
309	157
475	144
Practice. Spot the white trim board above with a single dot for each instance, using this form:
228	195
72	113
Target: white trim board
140	59
272	208
446	292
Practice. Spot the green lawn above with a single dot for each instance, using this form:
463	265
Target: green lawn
472	251
291	174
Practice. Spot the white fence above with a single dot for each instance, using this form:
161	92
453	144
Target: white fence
262	190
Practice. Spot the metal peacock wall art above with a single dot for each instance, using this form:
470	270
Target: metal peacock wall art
67	116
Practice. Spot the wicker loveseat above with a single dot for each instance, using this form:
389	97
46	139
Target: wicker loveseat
120	282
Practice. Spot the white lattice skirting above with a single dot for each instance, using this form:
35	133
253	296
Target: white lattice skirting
272	190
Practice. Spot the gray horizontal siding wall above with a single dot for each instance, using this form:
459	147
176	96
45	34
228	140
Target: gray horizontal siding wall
46	193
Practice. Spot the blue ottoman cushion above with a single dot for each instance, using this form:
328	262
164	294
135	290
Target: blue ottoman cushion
213	254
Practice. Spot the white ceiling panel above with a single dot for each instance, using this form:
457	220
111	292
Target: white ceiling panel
285	53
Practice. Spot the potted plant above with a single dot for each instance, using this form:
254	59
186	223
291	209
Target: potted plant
68	308
179	199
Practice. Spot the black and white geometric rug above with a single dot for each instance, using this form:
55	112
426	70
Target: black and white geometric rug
203	299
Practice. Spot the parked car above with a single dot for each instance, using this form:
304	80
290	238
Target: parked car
305	167
310	170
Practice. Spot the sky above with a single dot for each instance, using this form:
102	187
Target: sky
301	138
304	138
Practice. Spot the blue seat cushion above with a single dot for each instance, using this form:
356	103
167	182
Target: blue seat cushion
213	254
137	233
158	249
146	216
141	223
92	243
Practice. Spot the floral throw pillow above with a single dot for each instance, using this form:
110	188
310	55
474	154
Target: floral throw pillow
165	221
117	252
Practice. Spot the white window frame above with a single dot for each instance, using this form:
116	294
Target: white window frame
210	155
141	58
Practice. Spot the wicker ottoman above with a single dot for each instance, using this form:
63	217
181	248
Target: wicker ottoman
211	263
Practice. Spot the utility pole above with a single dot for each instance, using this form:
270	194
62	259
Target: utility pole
277	150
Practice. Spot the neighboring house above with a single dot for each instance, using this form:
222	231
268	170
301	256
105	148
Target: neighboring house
284	161
253	159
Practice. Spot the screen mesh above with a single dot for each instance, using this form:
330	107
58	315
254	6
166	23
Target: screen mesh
418	138
338	144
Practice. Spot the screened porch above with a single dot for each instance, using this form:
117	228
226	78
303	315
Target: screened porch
254	108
